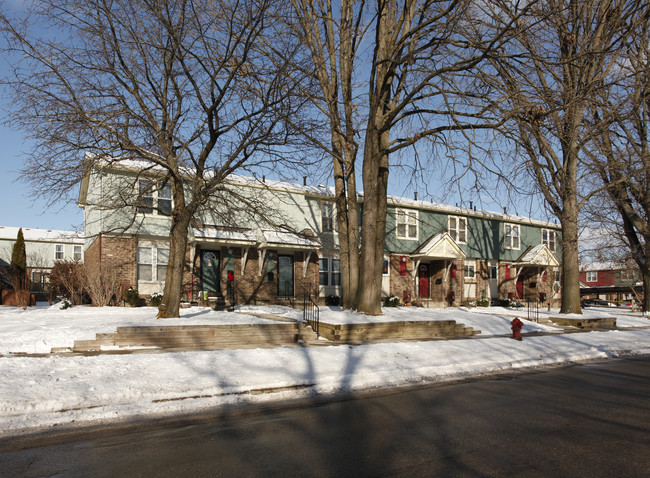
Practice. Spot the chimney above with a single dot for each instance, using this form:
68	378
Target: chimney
263	178
504	210
470	205
415	195
304	180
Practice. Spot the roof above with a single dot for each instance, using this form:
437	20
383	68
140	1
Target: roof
41	235
539	255
326	192
439	246
263	238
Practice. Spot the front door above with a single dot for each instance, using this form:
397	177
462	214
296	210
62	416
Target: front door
210	271
285	276
424	275
520	288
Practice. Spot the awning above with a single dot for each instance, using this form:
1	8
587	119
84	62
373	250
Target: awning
539	255
439	247
259	238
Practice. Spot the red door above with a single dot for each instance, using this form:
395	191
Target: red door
520	289
423	274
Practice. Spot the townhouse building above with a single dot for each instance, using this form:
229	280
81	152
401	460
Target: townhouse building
272	241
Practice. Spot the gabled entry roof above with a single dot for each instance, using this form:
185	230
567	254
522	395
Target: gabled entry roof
539	255
439	246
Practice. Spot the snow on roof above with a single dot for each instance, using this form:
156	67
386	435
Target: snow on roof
266	236
41	235
602	266
322	190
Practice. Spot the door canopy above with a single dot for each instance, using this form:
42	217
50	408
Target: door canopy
539	255
439	247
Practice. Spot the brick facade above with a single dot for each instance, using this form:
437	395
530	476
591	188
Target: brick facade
115	252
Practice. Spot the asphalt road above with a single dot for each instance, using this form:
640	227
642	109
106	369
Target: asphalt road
588	420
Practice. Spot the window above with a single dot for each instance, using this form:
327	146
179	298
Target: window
162	258
150	194
458	229
58	252
549	239
512	236
407	224
329	271
145	271
592	276
77	253
327	217
385	269
470	270
494	272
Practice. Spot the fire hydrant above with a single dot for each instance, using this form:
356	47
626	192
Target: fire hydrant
516	328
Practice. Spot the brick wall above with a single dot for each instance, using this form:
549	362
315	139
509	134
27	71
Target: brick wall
398	282
115	252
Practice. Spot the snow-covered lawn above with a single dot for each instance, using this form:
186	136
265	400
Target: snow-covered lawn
37	392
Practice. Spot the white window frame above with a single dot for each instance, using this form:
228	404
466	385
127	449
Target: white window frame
59	249
332	271
327	217
493	272
408	219
509	238
469	266
591	276
158	194
457	233
549	239
155	263
77	253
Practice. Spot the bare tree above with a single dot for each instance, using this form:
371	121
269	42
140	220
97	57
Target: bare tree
621	153
408	58
560	55
102	285
178	84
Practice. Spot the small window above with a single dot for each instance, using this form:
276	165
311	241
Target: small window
549	239
335	275
145	196
407	224
58	252
323	271
458	229
592	276
327	217
494	272
470	270
162	258
512	240
385	269
145	258
165	199
77	253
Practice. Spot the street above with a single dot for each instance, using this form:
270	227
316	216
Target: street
582	420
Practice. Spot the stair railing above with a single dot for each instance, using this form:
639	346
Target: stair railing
311	312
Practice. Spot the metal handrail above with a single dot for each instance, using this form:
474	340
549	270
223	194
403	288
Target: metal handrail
311	312
533	310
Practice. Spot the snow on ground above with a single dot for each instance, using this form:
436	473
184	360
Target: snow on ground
41	392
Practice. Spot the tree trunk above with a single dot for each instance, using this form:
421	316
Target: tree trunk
170	306
570	261
373	230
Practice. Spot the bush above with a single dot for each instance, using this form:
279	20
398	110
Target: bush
65	304
156	299
482	303
68	279
333	300
131	297
392	301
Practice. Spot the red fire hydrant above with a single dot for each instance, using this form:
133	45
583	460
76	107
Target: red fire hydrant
516	328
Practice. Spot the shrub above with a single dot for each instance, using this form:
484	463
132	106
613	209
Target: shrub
333	300
102	286
156	299
392	301
482	303
65	304
131	297
68	279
